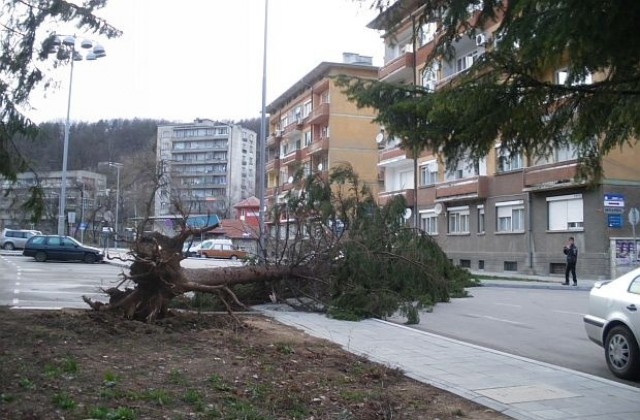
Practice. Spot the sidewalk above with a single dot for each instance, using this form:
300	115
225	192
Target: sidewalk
518	387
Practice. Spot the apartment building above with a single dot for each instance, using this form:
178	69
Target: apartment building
207	166
503	213
85	191
314	127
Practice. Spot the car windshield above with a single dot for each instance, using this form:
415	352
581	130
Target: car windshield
67	241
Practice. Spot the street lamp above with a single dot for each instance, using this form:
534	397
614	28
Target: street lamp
118	166
64	46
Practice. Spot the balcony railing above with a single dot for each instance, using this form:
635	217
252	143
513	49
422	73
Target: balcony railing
477	187
552	175
318	146
400	68
272	165
319	114
409	195
291	157
391	153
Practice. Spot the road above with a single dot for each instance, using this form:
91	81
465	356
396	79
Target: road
25	283
540	324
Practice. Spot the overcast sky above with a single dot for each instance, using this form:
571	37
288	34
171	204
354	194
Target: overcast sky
185	59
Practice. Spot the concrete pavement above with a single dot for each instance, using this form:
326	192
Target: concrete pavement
518	387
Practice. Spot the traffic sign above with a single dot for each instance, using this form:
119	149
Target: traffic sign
83	226
634	216
614	200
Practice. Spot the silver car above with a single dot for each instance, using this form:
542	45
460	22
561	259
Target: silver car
613	322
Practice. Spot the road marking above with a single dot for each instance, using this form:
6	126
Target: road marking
512	305
569	313
16	301
501	320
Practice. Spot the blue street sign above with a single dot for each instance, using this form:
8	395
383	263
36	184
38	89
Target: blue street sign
614	221
83	226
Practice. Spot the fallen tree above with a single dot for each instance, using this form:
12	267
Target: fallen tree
330	248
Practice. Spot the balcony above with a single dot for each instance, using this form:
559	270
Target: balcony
398	69
291	158
320	114
272	165
318	146
550	176
473	187
391	153
272	140
409	195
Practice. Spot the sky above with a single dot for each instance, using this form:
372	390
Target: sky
187	59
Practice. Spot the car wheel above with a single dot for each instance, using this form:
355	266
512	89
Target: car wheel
90	258
9	246
622	353
233	258
41	256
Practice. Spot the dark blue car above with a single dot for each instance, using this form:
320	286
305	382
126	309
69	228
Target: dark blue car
62	248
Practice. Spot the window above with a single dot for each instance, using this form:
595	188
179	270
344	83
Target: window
466	169
563	78
510	216
466	61
565	212
306	109
428	32
465	263
429	173
307	138
508	162
458	219
430	77
510	266
480	264
429	222
481	219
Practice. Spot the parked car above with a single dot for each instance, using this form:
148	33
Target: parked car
190	249
613	322
16	238
63	248
220	248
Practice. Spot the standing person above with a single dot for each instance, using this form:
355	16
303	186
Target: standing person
571	251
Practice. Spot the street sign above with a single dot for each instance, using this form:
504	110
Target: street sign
613	210
83	226
614	200
634	216
614	221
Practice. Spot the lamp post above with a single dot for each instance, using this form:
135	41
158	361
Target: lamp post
263	140
118	166
65	48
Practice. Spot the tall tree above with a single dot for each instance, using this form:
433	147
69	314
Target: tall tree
27	32
509	92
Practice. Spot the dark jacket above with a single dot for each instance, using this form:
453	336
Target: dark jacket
572	253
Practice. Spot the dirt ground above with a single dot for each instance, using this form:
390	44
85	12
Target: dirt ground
88	365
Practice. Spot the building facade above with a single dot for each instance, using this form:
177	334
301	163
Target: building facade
207	167
86	197
503	213
314	127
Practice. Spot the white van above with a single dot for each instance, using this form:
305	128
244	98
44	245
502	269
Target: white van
16	238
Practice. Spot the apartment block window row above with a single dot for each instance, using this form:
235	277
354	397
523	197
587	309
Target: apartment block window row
201	132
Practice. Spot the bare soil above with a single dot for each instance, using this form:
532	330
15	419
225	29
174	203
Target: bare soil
89	365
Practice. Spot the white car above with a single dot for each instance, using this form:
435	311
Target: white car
613	322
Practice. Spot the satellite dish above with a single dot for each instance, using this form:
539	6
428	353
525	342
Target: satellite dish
379	138
437	209
290	180
319	166
407	214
